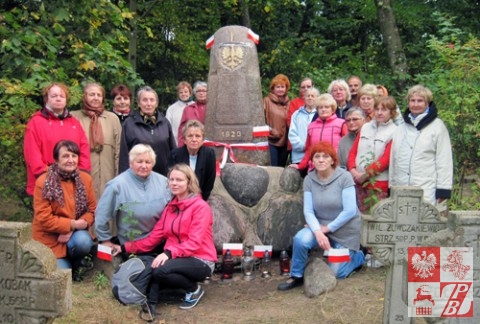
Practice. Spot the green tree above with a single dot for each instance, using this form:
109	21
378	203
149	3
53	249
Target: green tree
455	82
44	41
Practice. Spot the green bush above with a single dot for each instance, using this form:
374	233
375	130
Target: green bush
455	83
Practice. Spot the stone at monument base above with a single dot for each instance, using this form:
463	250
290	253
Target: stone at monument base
318	278
257	205
32	290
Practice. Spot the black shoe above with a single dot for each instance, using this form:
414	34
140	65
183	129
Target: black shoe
86	263
148	312
292	282
77	275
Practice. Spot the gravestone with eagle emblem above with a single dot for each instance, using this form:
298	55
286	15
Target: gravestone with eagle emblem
234	102
396	223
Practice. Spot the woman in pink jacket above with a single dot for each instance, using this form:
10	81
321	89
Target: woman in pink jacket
189	254
326	128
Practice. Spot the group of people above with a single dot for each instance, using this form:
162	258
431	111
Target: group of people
119	177
138	181
351	145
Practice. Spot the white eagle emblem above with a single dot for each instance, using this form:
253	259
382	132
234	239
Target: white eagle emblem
424	264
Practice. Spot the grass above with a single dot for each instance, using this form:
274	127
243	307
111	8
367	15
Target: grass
358	299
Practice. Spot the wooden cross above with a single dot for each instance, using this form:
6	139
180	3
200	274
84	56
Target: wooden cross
396	223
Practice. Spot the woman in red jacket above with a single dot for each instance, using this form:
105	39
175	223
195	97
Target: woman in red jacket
189	254
47	126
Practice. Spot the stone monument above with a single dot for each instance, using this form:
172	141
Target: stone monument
32	289
234	104
396	223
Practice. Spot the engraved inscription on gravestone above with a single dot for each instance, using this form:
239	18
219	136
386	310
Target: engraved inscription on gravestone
234	103
32	289
396	223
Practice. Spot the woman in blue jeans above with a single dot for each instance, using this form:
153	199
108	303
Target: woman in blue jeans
331	213
64	205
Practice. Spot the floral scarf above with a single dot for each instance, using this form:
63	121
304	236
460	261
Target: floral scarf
53	191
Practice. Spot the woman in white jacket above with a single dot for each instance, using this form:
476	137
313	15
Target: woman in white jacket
421	152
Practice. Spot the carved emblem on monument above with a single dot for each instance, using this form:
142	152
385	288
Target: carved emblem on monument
232	56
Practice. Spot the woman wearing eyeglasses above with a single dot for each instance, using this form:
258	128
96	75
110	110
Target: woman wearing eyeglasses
354	118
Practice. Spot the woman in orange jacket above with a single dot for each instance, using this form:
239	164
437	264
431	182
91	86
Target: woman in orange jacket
64	205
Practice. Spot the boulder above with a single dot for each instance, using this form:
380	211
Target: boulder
246	184
257	205
318	278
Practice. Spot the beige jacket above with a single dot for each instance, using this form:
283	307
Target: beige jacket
105	163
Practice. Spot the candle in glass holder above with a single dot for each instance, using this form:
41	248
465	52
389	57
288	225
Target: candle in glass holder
227	266
284	263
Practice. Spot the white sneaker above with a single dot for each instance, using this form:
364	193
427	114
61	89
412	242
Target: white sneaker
372	262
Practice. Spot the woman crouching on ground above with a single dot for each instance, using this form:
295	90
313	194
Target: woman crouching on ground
331	213
63	204
189	255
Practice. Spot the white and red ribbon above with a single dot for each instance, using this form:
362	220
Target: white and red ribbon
253	37
250	35
228	152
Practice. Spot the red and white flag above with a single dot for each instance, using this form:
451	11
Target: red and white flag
338	255
236	249
253	37
104	252
261	131
209	42
259	250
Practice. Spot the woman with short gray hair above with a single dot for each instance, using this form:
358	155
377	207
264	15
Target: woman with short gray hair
147	125
421	150
134	199
341	93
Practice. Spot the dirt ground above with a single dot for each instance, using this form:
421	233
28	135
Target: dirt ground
358	299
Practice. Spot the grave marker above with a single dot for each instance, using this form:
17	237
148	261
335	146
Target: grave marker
396	223
32	289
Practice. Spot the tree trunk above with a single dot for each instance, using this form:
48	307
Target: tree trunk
132	46
245	13
393	42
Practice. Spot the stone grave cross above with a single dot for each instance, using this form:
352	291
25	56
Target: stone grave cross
32	289
396	223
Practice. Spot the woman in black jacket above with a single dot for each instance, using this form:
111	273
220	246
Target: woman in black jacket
200	158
